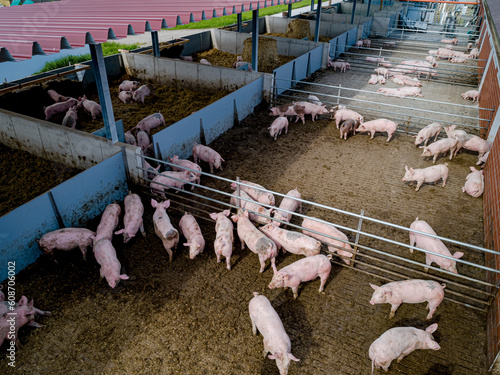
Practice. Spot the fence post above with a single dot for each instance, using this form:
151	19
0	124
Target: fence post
338	95
59	219
409	116
238	202
356	241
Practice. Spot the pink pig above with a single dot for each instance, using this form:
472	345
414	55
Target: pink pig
223	244
398	343
347	114
70	118
478	144
57	97
310	109
249	204
287	110
335	244
409	291
256	192
171	179
305	269
60	107
90	106
109	221
348	127
380	125
342	65
474	183
208	155
128	86
471	94
430	131
163	227
130	139
291	241
134	209
67	239
277	126
141	93
188	164
290	204
265	320
373	79
429	174
143	140
126	96
151	122
190	229
440	147
105	255
435	245
256	241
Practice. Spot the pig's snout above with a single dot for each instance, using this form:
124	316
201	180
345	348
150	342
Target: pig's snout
372	302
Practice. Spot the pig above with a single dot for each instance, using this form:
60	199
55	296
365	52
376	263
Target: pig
143	140
413	82
450	41
381	80
105	255
389	44
256	192
342	65
66	239
398	343
90	106
387	91
432	52
432	60
277	126
291	241
366	43
347	114
310	109
314	99
186	58
256	241
426	72
179	163
483	158
380	125
359	43
325	231
109	220
205	62
151	122
458	60
150	171
190	229
305	269
289	203
265	320
383	72
430	131
132	221
348	127
164	228
460	135
431	174
128	86
71	117
471	94
409	291
474	54
440	147
475	143
60	107
397	81
385	63
435	245
444	53
208	155
141	93
288	109
223	244
249	204
171	179
126	96
374	59
474	183
130	139
410	91
56	97
373	79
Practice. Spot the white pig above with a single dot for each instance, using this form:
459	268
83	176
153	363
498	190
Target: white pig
109	221
409	291
277	126
208	155
380	125
256	241
310	109
223	244
171	179
430	174
474	183
190	229
373	79
471	94
291	241
435	245
383	72
290	204
265	320
431	130
347	114
305	269
478	144
249	204
188	164
163	227
67	239
398	343
440	147
105	255
257	192
134	209
335	244
483	158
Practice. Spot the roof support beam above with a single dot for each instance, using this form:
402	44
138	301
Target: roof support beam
156	43
318	20
238	21
255	39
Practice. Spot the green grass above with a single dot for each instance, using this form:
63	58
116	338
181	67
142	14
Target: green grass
230	20
108	48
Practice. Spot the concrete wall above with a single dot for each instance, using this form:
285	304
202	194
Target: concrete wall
78	200
54	142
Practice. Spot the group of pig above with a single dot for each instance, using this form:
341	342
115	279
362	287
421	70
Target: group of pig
70	106
139	135
131	91
455	141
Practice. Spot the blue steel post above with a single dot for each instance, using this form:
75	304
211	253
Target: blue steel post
255	39
290	9
156	43
238	20
318	20
368	10
103	90
354	10
312	5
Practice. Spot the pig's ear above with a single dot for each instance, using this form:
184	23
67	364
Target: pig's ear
120	231
123	277
292	357
432	328
234	218
473	169
458	255
23	301
411	170
166	204
154	203
406	168
213	215
375	287
226	212
286	277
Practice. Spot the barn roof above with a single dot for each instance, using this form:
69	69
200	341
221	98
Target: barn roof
44	28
